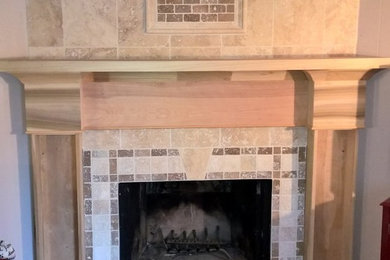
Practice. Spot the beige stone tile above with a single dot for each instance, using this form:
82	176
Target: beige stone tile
244	137
144	53
100	207
44	23
195	162
341	19
227	163
298	51
175	164
289	162
46	52
125	165
195	40
90	23
246	52
258	31
100	139
264	162
100	166
340	50
288	136
101	191
298	22
142	165
196	53
159	164
195	137
131	30
90	53
145	138
248	163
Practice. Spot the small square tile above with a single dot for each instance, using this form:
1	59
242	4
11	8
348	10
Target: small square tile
248	175
301	202
89	253
232	151
289	150
288	202
99	153
264	150
275	218
88	238
264	175
176	177
115	251
113	166
142	153
125	153
288	234
231	175
114	207
275	234
217	151
87	207
277	162
277	150
302	154
159	177
248	150
100	207
275	202
288	187
301	218
173	152
302	170
87	158
101	238
287	249
113	178
115	238
86	174
88	223
126	178
114	222
275	187
288	218
102	252
215	175
112	153
113	190
87	191
276	174
159	152
289	174
275	249
301	186
300	233
142	177
99	178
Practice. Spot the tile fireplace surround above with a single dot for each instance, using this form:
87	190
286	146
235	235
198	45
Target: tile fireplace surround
115	156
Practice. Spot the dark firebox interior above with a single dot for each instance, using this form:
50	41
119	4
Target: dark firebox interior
195	220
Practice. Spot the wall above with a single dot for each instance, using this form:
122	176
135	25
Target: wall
373	180
16	218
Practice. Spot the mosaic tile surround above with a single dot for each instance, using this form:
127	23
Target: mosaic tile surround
111	157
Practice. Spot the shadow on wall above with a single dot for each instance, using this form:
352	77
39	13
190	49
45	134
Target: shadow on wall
18	229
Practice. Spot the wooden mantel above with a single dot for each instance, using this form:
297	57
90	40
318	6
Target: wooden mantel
326	95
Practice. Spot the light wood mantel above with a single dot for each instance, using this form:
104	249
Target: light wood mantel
326	95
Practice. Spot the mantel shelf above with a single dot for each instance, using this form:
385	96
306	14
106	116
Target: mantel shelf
62	66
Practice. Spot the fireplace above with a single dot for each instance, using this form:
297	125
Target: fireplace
143	161
195	220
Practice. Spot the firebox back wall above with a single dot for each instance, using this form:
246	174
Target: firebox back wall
143	155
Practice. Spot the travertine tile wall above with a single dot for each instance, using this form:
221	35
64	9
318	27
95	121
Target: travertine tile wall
114	29
111	157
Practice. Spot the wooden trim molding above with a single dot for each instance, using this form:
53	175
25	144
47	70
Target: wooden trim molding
325	95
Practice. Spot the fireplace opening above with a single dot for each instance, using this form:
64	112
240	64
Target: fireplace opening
195	220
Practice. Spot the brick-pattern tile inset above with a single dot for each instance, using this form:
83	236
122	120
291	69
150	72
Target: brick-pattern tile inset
177	11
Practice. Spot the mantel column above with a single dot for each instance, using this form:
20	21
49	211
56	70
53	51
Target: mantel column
336	111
